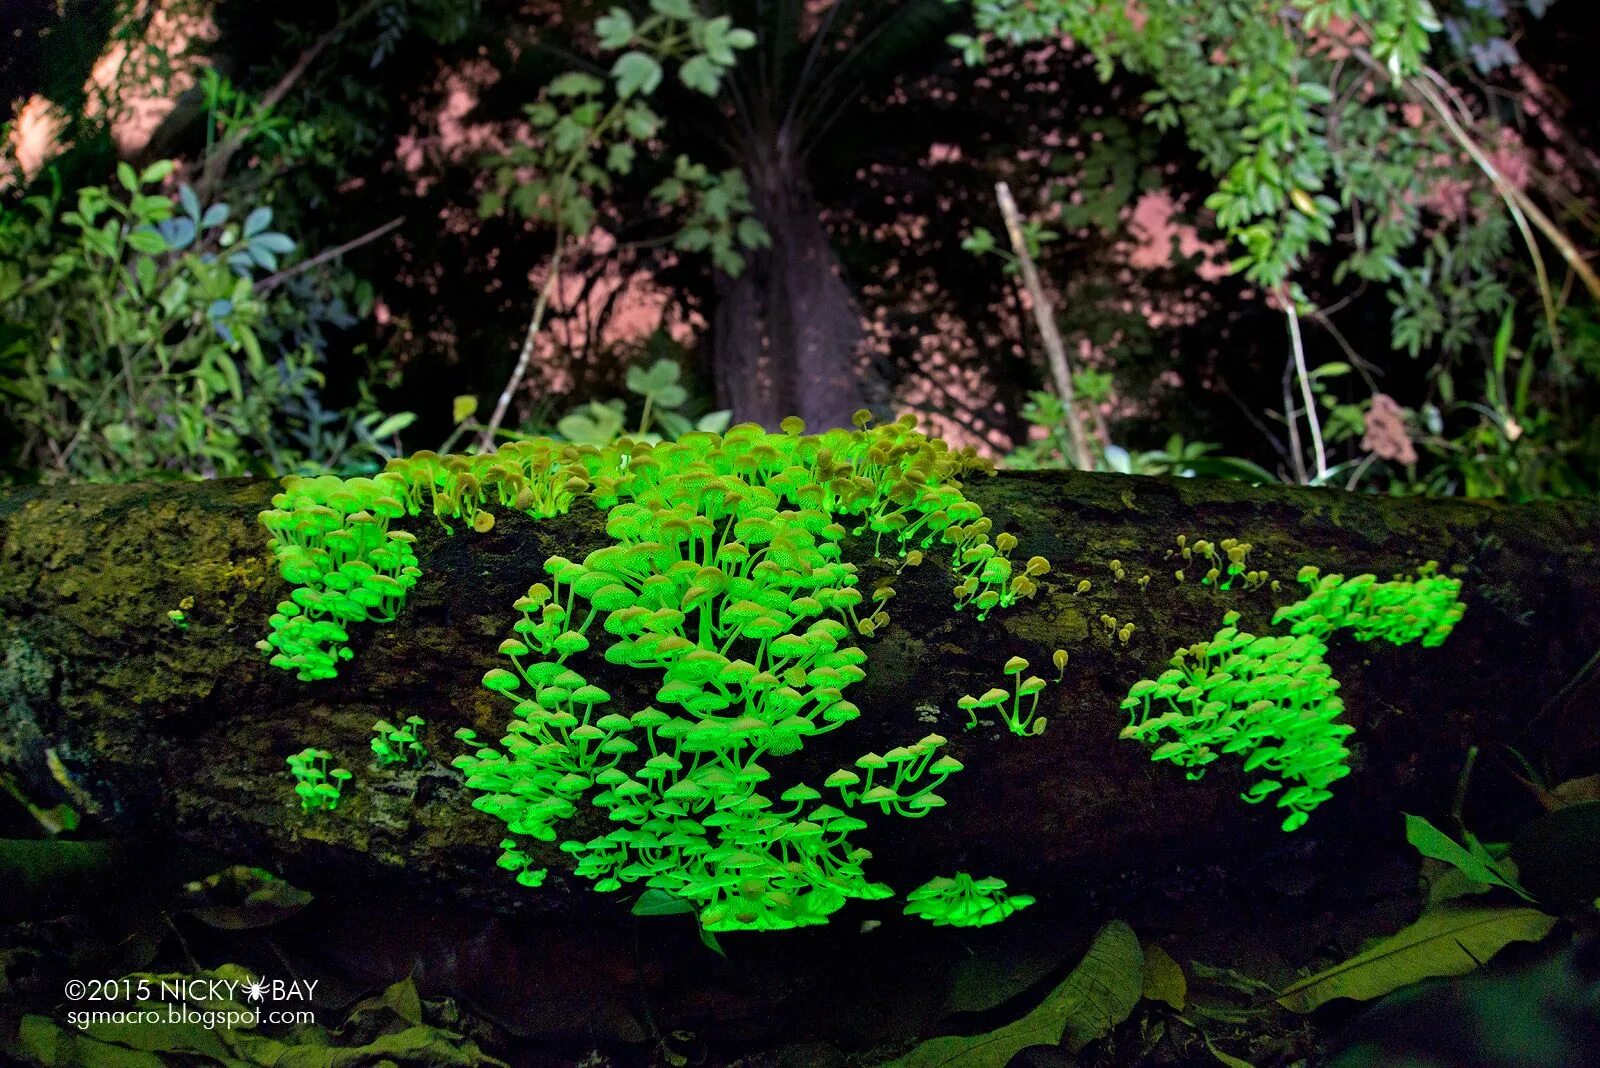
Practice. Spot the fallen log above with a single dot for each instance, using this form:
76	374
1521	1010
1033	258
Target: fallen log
144	723
155	728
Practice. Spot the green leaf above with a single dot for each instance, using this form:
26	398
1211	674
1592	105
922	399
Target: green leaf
640	122
701	74
576	83
714	39
127	176
593	424
230	373
615	29
752	234
635	72
1452	939
619	158
394	424
714	422
655	902
1432	842
463	408
147	241
157	172
257	221
1096	996
677	9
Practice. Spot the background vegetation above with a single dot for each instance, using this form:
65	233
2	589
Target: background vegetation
1335	241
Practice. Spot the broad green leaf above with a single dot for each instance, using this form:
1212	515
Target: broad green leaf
614	29
127	176
636	72
1452	939
714	422
463	408
394	424
157	172
1162	978
147	241
752	234
576	83
714	39
1096	996
619	158
655	902
677	9
701	74
640	122
1475	865
273	241
257	221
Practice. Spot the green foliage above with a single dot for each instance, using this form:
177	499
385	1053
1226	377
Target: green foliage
1452	938
131	340
1475	861
1098	994
1514	423
1300	137
1050	450
663	395
589	132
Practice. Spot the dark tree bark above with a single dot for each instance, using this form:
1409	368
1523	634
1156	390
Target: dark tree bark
179	736
788	331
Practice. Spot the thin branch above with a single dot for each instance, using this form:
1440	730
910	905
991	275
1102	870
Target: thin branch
327	254
1044	315
1297	458
552	278
1298	346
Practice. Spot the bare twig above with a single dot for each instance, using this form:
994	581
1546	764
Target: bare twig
1044	315
1299	349
552	277
327	254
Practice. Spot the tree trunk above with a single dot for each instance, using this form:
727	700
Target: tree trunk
788	332
150	728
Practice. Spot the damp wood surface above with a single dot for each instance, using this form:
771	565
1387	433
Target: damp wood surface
178	735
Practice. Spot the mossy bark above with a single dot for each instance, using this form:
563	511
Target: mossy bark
156	730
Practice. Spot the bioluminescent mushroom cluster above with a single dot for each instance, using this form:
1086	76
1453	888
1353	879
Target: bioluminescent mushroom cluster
1272	699
1425	608
1021	721
317	785
725	583
962	901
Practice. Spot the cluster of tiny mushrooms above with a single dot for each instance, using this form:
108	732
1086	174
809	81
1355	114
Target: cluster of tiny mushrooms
725	578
